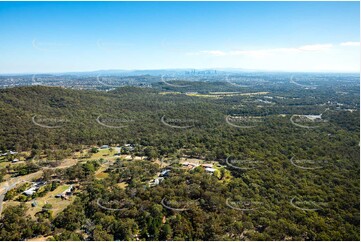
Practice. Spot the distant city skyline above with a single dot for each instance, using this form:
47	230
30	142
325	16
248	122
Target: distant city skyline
55	37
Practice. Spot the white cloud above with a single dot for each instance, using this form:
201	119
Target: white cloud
317	47
264	52
213	52
350	43
314	57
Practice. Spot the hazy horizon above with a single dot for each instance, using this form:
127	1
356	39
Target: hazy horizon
230	70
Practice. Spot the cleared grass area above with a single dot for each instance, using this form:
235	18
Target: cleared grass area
101	175
191	160
106	154
122	185
2	158
103	153
204	95
169	93
4	164
40	238
225	94
57	203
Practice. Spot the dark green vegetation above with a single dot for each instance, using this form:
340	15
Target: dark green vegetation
283	201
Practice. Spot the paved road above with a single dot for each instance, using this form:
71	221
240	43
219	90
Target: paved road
6	186
1	202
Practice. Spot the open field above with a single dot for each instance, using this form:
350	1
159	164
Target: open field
4	164
40	238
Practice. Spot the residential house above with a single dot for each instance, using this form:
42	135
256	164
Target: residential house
207	165
210	170
30	191
164	173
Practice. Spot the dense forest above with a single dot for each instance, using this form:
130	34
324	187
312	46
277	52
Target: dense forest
273	199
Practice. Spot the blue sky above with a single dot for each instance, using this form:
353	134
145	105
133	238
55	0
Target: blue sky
84	36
